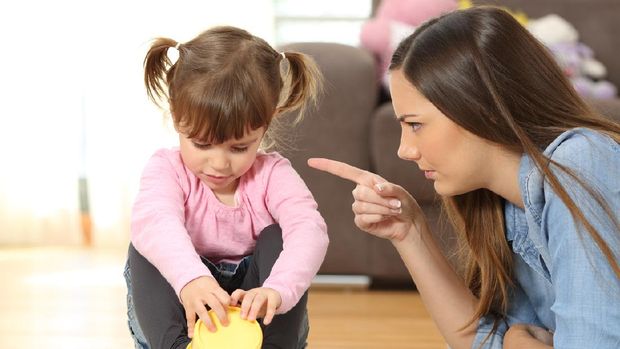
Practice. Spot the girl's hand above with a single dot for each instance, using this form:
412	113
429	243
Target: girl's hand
527	336
383	209
197	293
260	302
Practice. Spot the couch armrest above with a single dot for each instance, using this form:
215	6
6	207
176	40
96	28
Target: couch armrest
607	107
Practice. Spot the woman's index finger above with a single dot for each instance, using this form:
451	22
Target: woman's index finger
343	170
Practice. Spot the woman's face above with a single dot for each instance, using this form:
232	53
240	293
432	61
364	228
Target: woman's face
452	157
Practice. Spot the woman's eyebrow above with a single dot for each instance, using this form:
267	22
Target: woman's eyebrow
402	118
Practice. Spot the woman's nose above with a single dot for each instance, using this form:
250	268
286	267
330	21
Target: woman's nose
407	150
408	153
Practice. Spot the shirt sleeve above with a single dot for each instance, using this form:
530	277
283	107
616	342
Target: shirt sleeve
484	339
158	223
304	234
587	291
520	311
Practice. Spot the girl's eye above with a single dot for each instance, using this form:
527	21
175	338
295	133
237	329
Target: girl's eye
201	146
239	149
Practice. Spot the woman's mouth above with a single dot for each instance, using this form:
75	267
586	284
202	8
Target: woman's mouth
429	174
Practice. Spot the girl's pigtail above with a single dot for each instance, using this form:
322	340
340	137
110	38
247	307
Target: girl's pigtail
158	69
303	82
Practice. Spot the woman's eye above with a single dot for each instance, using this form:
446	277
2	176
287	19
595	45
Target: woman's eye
414	125
239	149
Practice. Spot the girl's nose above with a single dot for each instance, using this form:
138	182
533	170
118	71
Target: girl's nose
219	162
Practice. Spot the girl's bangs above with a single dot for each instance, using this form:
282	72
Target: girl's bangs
211	119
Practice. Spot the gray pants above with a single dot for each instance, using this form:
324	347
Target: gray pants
157	318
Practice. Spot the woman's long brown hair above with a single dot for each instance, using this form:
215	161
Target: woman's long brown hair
227	81
486	73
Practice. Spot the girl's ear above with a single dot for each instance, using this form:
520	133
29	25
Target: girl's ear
265	129
176	126
278	112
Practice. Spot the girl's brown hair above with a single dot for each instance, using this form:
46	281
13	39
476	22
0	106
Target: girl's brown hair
486	73
227	82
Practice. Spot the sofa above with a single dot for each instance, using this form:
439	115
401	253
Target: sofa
354	122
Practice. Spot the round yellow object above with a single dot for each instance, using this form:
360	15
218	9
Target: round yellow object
239	333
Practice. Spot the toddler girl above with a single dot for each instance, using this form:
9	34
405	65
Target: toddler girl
218	221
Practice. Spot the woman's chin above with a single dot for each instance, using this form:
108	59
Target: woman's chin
446	190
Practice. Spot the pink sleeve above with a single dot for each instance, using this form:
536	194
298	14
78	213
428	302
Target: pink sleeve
158	222
304	234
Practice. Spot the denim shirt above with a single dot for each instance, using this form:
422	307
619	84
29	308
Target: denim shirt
563	281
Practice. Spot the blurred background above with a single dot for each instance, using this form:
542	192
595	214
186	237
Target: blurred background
77	127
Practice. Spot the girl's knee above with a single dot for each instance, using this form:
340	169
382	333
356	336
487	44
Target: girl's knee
270	236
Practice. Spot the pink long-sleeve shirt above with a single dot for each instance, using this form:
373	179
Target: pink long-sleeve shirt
176	219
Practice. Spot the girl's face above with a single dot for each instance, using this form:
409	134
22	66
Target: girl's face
452	157
219	166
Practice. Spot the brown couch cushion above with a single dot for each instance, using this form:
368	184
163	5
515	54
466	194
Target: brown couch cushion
338	129
608	107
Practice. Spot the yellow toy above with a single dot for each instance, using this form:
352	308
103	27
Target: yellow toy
239	333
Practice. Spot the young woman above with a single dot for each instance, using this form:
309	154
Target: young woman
529	178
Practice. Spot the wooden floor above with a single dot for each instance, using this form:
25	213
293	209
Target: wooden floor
75	298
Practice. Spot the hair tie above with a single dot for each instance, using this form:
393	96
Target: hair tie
177	45
283	55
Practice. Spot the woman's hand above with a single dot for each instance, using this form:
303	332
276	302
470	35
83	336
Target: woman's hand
261	302
381	208
197	293
527	336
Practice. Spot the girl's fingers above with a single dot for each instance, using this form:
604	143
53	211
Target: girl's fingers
203	314
237	296
190	315
218	309
222	296
246	304
257	305
271	311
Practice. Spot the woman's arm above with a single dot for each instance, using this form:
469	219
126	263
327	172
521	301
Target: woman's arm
527	336
390	212
445	295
